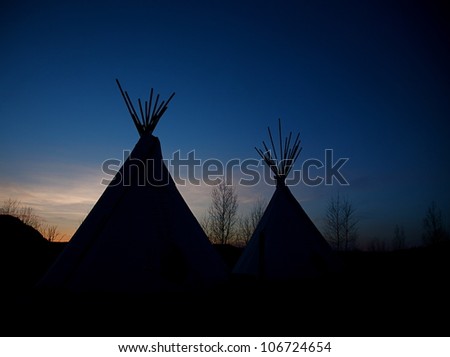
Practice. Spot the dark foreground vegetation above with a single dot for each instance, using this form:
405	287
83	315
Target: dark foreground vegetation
399	293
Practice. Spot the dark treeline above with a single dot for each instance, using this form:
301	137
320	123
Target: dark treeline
391	293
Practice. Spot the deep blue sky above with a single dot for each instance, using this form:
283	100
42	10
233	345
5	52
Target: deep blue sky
369	80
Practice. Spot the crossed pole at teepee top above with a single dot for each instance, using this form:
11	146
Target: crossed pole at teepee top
147	122
288	154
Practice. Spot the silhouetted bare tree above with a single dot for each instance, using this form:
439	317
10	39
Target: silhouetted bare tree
376	245
398	242
222	214
434	231
248	223
50	232
341	224
24	213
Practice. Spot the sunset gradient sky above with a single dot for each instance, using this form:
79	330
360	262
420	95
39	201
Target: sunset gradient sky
368	79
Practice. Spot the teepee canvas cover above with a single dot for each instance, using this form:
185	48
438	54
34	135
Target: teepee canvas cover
285	244
140	236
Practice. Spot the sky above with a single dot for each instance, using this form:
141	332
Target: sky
368	80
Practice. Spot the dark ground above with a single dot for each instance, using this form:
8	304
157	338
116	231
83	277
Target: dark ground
387	294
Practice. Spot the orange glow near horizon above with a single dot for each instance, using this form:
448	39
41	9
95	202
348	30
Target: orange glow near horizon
66	201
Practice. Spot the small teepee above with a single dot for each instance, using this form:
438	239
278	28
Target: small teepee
140	236
285	244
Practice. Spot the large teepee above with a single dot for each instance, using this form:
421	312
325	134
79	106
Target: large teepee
285	244
140	236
